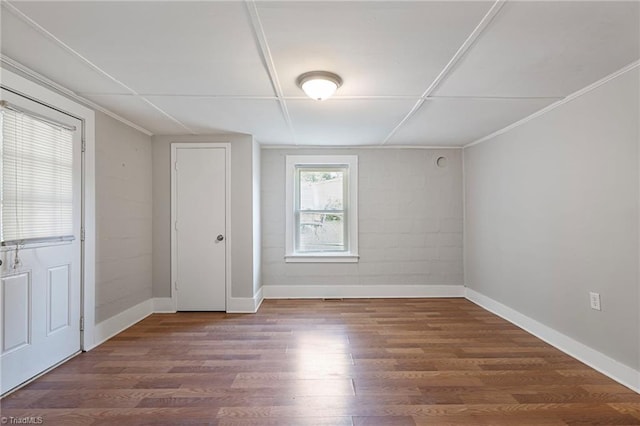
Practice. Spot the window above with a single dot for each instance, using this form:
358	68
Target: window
322	208
36	179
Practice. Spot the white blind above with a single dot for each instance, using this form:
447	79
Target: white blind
36	189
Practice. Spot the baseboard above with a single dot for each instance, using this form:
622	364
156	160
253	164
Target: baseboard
163	305
619	372
235	304
258	298
245	305
120	322
360	291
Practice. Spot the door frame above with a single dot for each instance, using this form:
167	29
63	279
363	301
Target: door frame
227	225
52	99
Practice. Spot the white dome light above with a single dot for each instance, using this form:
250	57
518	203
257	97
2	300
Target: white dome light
319	85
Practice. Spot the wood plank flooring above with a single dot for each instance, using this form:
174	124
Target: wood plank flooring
312	362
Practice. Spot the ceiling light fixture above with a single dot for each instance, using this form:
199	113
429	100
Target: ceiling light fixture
319	85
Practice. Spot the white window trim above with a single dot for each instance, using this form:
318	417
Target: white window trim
349	256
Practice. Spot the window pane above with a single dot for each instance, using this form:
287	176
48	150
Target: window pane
321	232
321	190
36	183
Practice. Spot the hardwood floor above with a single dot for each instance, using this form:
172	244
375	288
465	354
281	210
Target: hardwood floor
311	362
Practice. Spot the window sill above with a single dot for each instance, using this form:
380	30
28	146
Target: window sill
321	258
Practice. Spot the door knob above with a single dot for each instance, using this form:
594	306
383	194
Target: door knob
220	237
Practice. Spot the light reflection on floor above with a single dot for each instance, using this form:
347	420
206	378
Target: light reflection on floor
323	367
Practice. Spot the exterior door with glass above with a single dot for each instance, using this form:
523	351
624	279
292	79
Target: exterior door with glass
40	275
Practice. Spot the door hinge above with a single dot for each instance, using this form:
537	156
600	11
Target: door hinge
176	285
81	323
175	166
84	144
175	225
82	234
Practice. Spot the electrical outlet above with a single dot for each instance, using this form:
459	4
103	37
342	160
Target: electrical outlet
595	300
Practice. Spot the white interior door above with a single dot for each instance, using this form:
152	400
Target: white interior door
40	285
199	228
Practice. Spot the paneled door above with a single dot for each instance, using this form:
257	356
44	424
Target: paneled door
199	226
40	285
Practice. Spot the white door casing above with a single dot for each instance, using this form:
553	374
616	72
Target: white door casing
200	226
40	284
47	92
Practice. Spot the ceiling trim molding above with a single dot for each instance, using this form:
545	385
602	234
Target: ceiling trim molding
494	98
460	53
17	12
333	98
190	96
263	146
356	98
261	98
565	100
69	93
166	114
267	58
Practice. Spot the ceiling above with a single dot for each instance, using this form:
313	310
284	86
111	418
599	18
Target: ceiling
419	73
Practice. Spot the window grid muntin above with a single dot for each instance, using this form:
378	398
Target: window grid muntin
344	169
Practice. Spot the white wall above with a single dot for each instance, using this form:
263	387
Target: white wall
257	225
123	217
242	216
410	221
552	213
